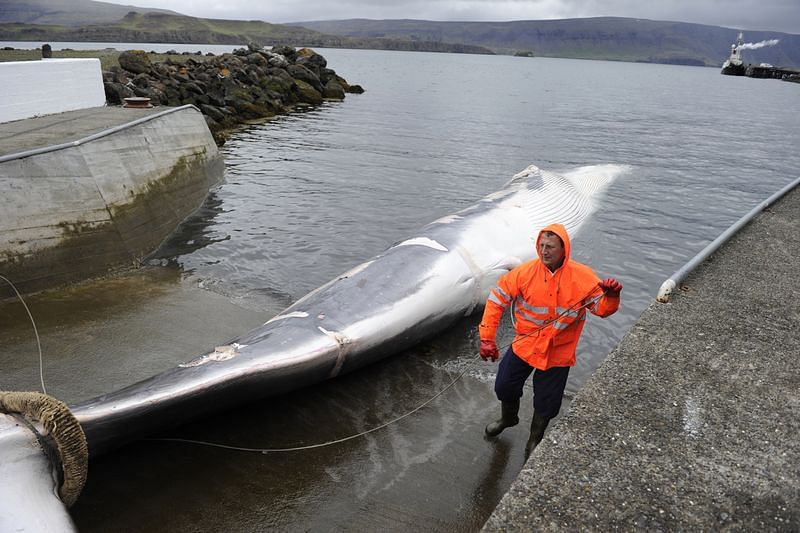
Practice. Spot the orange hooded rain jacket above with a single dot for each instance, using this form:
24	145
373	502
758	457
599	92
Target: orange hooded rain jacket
547	307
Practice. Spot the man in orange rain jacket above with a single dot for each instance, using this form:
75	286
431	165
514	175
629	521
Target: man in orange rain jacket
549	297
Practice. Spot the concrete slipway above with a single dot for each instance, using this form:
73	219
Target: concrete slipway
91	190
692	422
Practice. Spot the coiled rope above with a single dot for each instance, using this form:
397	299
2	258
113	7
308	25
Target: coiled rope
586	303
59	425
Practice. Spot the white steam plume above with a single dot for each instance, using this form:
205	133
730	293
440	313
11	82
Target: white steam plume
762	44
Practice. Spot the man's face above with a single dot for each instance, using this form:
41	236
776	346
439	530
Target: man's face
551	250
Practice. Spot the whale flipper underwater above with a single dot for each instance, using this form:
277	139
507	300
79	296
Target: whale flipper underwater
409	292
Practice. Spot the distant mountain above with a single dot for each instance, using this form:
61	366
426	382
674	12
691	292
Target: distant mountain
66	12
165	28
169	27
612	38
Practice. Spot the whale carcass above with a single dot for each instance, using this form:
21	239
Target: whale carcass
409	292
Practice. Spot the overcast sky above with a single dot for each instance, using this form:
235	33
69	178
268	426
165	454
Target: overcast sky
776	15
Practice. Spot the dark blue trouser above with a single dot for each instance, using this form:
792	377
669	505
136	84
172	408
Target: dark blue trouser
548	385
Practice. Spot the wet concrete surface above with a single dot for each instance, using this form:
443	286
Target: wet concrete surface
429	471
39	132
691	423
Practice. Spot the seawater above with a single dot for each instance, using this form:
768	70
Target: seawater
310	195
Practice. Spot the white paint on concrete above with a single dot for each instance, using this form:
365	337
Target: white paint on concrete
35	88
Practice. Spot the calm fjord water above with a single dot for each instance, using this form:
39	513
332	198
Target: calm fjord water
310	195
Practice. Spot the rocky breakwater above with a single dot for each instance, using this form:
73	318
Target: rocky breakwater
231	89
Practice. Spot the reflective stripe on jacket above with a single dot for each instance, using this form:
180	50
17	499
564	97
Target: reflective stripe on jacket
547	307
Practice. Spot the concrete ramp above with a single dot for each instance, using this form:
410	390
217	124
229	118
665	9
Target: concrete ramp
691	423
76	208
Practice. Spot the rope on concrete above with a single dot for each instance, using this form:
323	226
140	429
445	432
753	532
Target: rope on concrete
62	427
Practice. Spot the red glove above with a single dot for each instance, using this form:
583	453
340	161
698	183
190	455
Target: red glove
611	286
489	351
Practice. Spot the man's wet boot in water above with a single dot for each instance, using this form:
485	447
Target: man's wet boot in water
538	425
509	416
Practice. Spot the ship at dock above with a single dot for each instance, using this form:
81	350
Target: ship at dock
734	65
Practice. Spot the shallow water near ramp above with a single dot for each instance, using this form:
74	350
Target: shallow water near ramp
102	335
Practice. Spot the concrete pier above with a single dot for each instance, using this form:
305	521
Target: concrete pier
692	422
93	190
70	126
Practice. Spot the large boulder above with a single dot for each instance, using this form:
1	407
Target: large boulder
278	81
257	59
136	61
213	112
141	80
117	92
299	72
276	60
333	90
118	75
195	87
286	51
326	75
308	94
311	60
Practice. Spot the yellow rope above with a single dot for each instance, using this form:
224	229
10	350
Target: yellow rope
60	425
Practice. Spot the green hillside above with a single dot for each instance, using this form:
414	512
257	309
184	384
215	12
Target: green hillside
613	38
66	12
136	27
165	28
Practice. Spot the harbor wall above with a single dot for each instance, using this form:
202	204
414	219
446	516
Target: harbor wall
34	88
83	208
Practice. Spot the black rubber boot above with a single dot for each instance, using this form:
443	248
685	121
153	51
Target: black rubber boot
509	412
538	425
